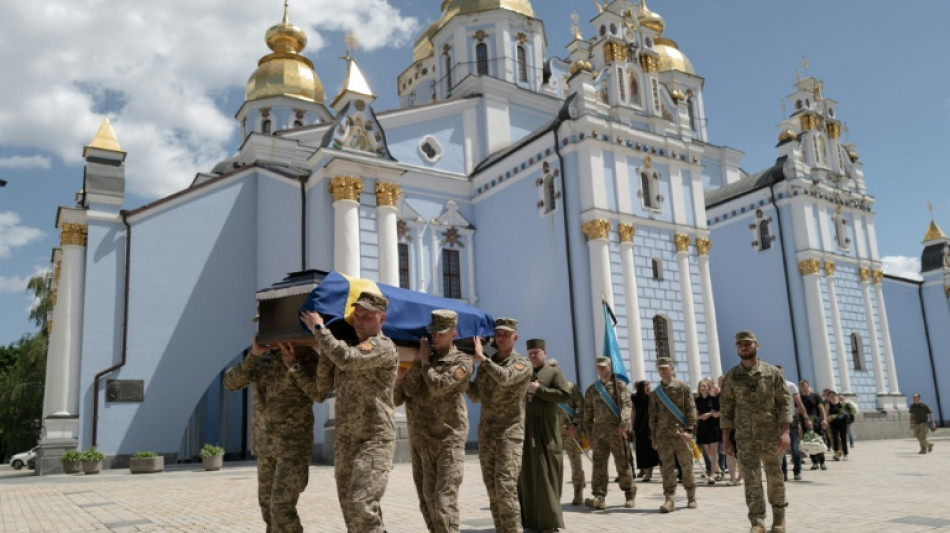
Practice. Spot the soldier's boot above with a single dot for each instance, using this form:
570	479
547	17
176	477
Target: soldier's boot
578	496
691	499
757	528
597	502
631	496
668	505
778	520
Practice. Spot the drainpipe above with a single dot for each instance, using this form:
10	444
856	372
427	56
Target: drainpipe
930	351
567	248
788	288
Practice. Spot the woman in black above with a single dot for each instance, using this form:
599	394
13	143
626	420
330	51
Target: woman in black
815	414
708	434
839	425
647	457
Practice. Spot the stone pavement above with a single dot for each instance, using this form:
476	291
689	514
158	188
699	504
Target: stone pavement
885	486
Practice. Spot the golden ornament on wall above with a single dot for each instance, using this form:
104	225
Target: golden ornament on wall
387	193
863	273
682	242
829	268
73	234
626	231
809	267
596	229
346	188
877	276
703	245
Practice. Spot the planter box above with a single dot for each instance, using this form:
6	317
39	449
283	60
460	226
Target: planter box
213	463
146	465
72	467
92	467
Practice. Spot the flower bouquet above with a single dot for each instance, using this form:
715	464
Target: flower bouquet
812	443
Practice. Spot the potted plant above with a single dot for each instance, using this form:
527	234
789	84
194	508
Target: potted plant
212	456
72	462
92	461
146	462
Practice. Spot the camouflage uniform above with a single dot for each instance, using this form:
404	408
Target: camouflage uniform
438	426
500	387
571	446
667	435
755	402
602	424
365	425
281	430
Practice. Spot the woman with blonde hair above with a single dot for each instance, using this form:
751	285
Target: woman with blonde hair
708	434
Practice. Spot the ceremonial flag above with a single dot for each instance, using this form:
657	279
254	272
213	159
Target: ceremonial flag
408	314
611	348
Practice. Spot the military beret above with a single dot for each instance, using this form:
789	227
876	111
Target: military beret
536	344
745	336
663	361
372	301
509	324
603	361
443	320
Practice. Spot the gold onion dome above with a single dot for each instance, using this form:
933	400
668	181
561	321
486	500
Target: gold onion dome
650	19
453	8
423	47
787	135
670	56
285	72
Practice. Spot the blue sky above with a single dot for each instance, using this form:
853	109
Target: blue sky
176	72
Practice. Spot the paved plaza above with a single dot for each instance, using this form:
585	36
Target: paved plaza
885	486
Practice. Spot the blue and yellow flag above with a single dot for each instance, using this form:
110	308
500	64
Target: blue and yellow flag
408	314
611	348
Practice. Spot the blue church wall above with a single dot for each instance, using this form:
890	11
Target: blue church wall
937	307
319	227
853	320
170	328
403	142
369	238
610	180
912	355
278	209
525	120
712	173
688	199
796	289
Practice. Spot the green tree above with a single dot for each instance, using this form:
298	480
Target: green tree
22	376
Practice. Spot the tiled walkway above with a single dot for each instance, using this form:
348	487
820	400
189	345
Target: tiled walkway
886	486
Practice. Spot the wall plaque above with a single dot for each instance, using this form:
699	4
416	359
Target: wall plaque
125	390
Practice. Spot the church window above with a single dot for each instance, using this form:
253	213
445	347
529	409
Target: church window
645	190
430	149
298	123
403	265
448	72
661	334
620	85
613	28
841	230
603	30
657	267
604	92
522	65
765	235
265	126
691	110
634	89
857	355
451	274
656	96
481	57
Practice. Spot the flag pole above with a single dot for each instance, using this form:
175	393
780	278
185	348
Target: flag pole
627	455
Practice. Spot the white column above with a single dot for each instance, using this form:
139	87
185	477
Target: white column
420	261
346	224
885	334
597	232
634	331
820	349
387	194
689	309
872	331
844	375
470	261
435	254
709	307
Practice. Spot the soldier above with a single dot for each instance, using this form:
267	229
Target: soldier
672	419
755	401
608	424
919	414
571	417
365	424
282	426
434	393
499	385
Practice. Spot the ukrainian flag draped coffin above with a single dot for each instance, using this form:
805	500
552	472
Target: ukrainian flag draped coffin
408	314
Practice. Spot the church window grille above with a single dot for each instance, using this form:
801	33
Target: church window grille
765	236
657	267
265	126
656	96
661	334
451	274
522	65
857	355
623	92
404	265
430	149
481	57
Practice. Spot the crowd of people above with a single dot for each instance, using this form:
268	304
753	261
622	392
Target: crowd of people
530	416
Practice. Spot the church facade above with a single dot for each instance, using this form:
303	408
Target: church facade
530	186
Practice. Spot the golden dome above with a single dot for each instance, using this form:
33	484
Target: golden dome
452	8
787	135
650	19
934	233
670	56
423	47
285	72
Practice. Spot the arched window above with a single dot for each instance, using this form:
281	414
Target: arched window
522	65
448	72
403	249
661	334
657	266
451	274
690	102
857	355
481	58
298	123
634	89
646	191
265	126
765	235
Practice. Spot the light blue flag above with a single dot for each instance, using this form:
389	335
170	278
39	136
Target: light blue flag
612	349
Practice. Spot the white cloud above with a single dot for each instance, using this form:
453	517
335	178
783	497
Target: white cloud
12	234
18	283
27	162
168	66
905	267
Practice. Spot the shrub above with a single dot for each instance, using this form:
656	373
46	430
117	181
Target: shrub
210	450
92	454
145	454
72	456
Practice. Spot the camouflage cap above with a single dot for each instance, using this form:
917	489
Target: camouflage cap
745	335
443	320
509	324
663	361
603	361
536	344
372	301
